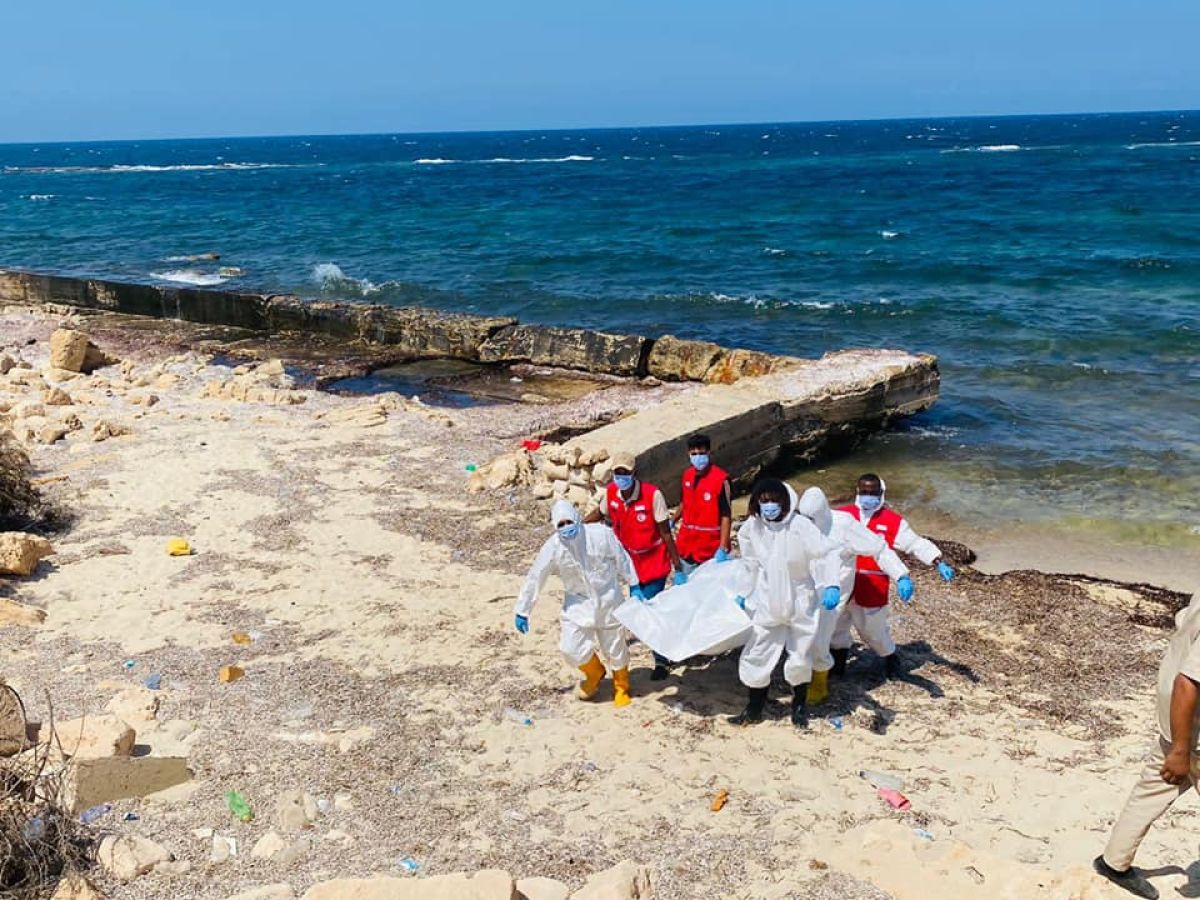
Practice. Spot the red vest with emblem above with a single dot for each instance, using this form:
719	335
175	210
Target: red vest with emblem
700	524
638	533
870	582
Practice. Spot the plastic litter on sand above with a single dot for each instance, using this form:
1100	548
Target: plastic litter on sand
239	806
409	865
894	799
153	681
88	816
923	834
720	800
882	780
229	674
514	715
128	664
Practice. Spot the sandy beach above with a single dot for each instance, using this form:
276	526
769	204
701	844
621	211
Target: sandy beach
338	534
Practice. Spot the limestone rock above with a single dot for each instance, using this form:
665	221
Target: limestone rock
52	434
12	722
95	358
135	705
572	348
591	457
7	363
556	471
673	359
57	397
580	496
559	488
267	892
146	400
295	811
601	471
103	430
272	367
127	857
223	849
76	887
581	477
94	737
624	881
268	846
21	552
542	889
489	884
543	490
293	852
29	410
68	349
738	364
503	471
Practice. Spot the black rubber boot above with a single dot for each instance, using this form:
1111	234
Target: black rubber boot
840	656
662	668
1131	879
753	713
800	706
891	665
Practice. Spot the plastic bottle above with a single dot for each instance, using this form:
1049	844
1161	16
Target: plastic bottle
517	716
409	865
239	806
88	816
882	780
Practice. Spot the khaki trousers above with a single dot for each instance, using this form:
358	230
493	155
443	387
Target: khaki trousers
1150	798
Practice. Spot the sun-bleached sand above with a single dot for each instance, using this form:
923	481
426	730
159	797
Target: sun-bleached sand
339	533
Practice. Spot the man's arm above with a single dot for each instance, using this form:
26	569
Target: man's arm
664	531
908	541
726	509
1178	766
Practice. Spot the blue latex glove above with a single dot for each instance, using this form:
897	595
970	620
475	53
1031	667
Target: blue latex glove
944	570
722	556
904	587
680	578
522	623
637	593
740	601
831	597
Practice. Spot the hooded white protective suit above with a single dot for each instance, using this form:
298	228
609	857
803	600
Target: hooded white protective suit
854	540
795	564
592	566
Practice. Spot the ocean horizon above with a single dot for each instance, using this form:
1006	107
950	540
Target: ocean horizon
1052	263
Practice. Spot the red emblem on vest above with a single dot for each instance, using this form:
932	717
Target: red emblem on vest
870	582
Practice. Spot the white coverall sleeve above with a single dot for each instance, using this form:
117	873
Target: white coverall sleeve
625	569
908	541
825	555
865	542
543	567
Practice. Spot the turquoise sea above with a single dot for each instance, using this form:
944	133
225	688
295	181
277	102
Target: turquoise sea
1052	263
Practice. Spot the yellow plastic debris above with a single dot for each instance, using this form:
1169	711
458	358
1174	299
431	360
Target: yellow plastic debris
240	637
179	547
230	673
720	800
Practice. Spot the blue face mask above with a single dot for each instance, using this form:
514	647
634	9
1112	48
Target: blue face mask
770	510
569	532
868	503
623	482
699	460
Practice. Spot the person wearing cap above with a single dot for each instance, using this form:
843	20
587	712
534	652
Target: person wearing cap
638	514
705	514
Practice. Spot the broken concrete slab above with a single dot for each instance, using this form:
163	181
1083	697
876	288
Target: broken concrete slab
489	884
572	348
95	781
776	420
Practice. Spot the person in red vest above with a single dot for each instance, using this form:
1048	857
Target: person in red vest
867	610
639	517
705	515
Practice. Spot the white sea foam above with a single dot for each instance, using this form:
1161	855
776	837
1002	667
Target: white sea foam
504	160
42	196
1163	144
331	277
190	276
986	148
888	235
773	251
124	170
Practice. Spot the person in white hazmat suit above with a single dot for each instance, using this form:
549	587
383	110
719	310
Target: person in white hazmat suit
797	573
868	610
592	564
853	540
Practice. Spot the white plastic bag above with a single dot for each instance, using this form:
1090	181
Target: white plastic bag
700	618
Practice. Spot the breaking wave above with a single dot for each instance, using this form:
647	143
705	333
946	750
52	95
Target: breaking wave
191	276
985	148
122	169
438	161
330	277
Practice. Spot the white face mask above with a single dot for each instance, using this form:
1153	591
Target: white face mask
868	503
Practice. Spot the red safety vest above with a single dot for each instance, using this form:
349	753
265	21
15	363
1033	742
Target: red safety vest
870	582
700	522
638	533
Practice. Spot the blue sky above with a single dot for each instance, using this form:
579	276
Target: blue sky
78	69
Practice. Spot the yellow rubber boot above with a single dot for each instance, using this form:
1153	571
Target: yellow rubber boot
818	688
621	687
593	674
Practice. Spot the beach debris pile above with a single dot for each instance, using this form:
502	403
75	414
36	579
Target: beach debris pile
553	470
